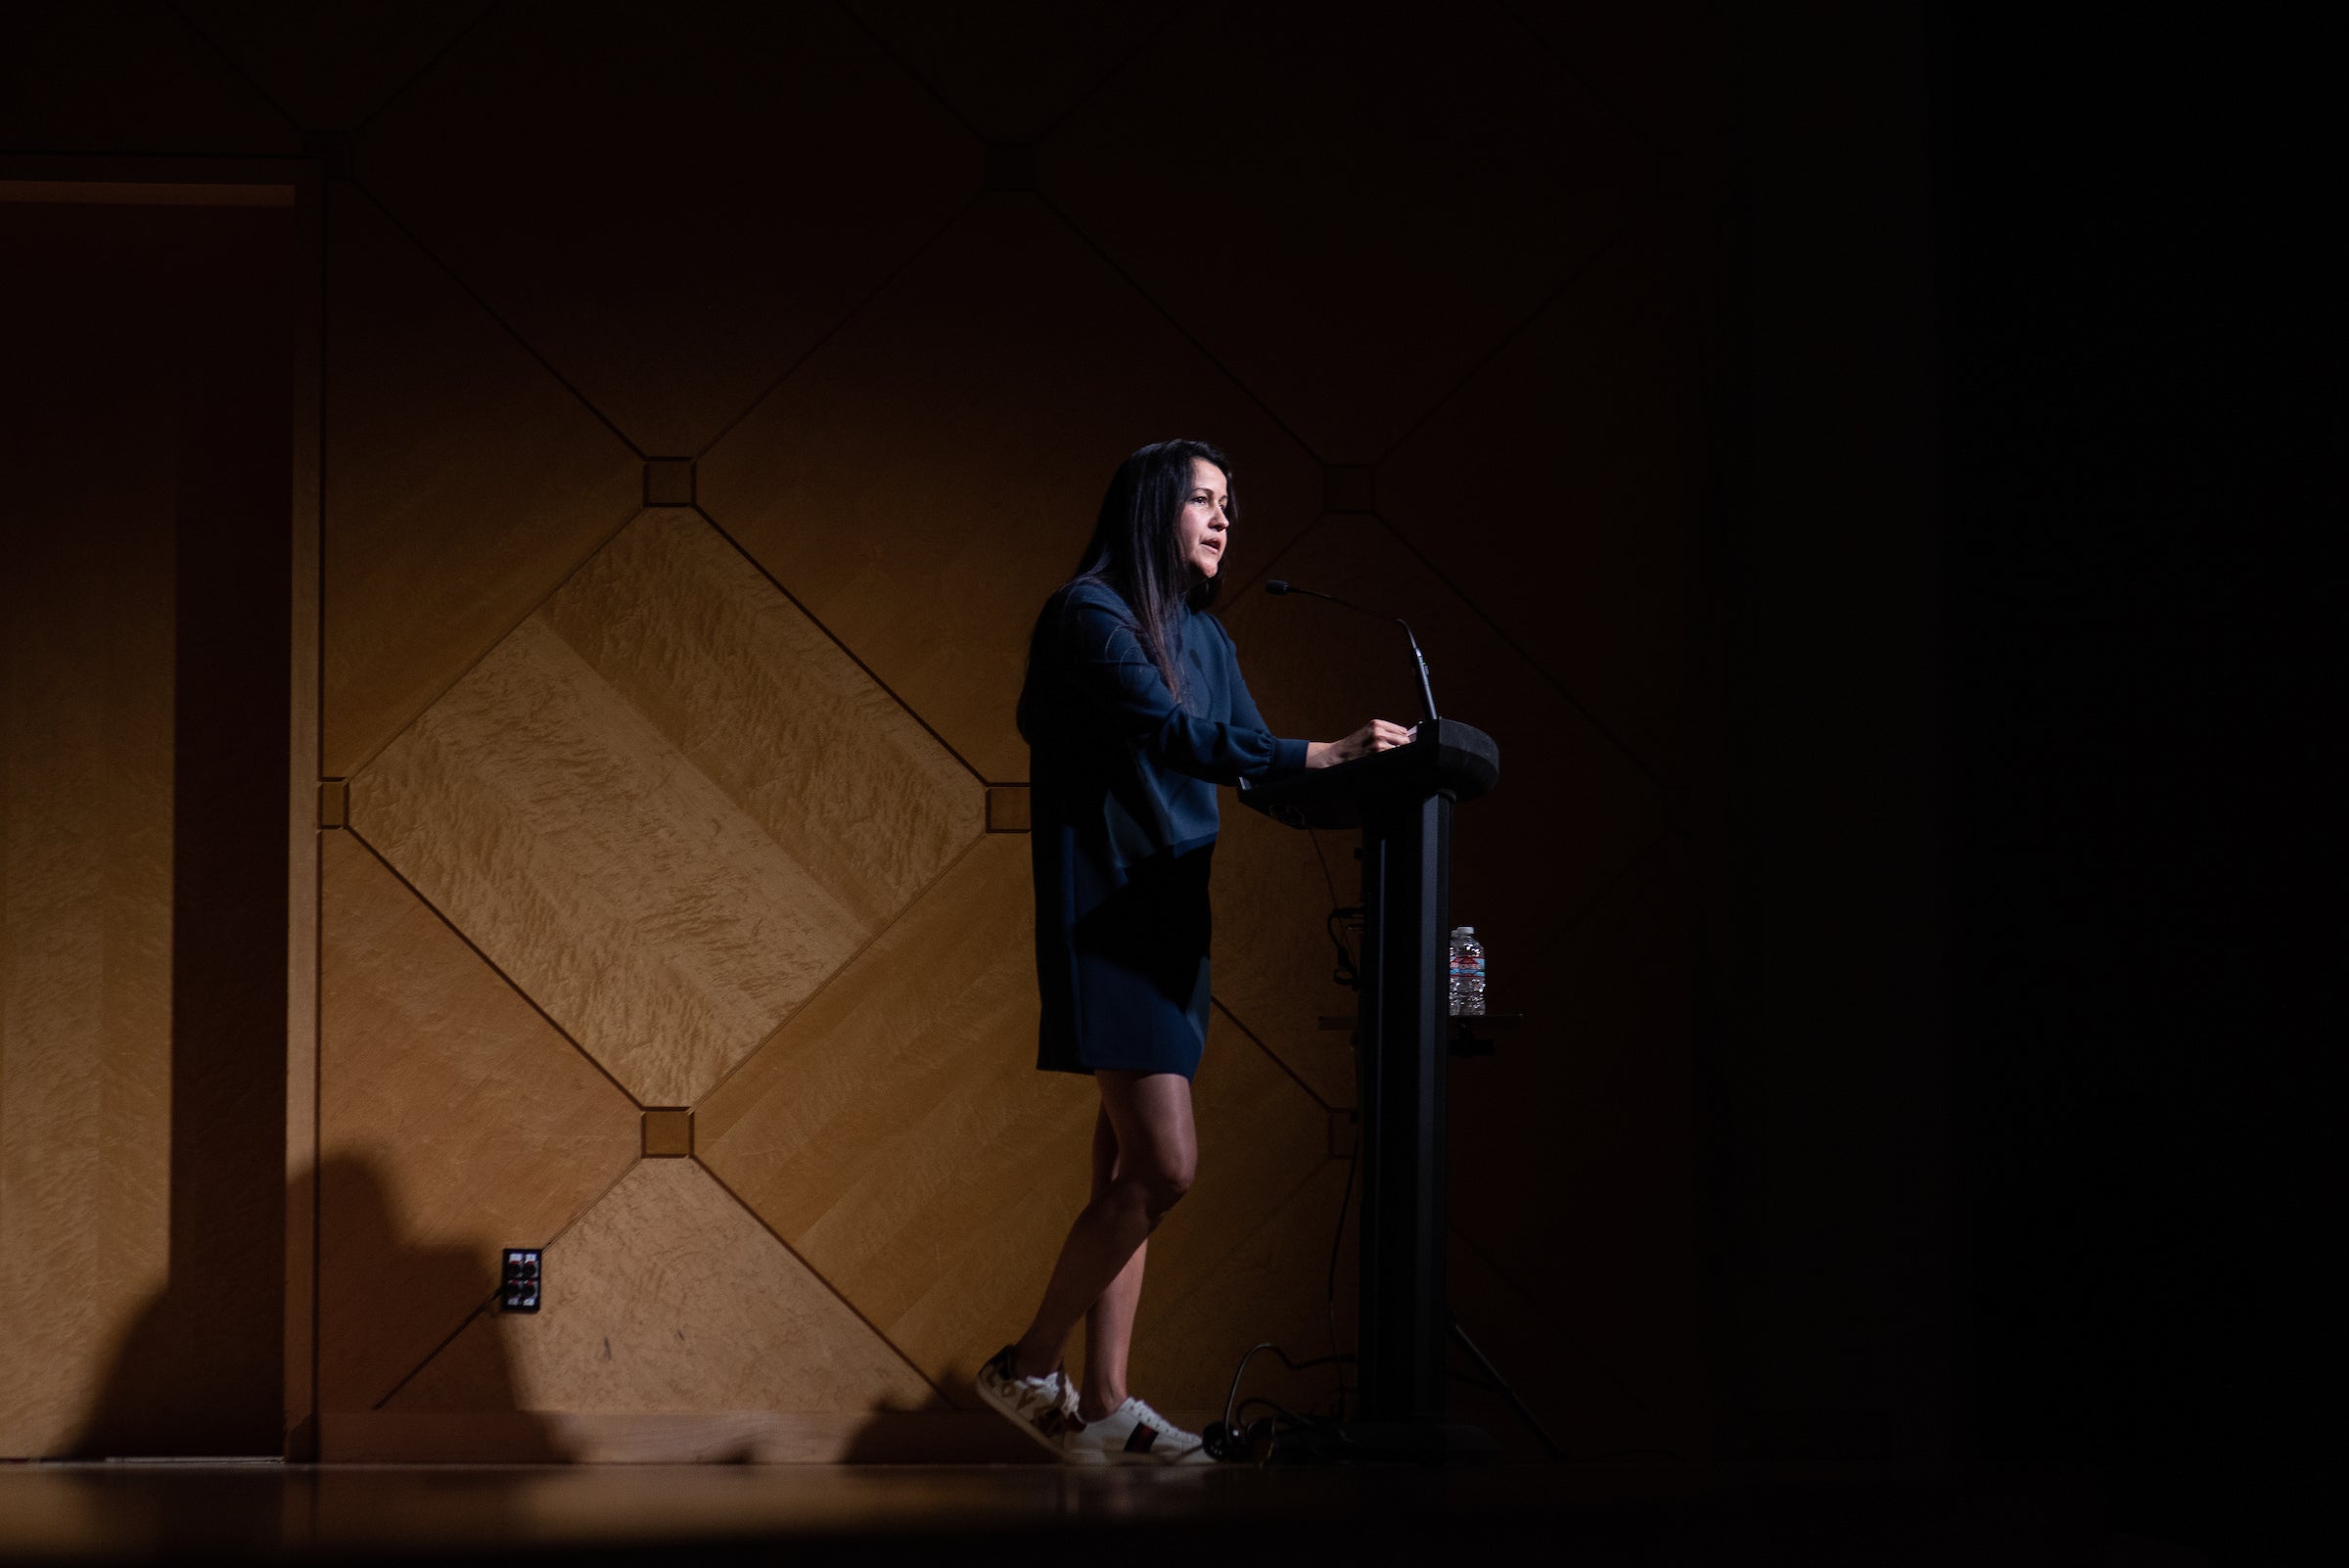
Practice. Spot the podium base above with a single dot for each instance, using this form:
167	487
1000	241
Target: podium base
1384	1442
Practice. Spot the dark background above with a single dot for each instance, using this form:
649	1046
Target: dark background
2120	442
2138	452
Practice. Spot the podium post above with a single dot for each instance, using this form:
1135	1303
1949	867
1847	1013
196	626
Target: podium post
1401	801
1401	1061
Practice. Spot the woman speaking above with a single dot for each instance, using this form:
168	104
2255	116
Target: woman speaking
1134	711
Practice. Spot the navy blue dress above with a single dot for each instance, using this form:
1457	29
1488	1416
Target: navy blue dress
1123	802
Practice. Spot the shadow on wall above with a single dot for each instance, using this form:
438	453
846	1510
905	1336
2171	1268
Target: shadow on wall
171	1333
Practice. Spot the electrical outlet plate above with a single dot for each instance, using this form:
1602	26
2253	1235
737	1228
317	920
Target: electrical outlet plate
519	1281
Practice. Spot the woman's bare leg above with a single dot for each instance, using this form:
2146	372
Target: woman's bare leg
1109	1324
1157	1153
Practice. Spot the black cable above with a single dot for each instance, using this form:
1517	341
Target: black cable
1231	1399
1344	974
1343	971
1314	839
1275	1407
1337	1242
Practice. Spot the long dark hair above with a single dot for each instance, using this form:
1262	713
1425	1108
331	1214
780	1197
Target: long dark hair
1136	550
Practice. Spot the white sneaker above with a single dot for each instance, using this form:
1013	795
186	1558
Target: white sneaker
1044	1408
1134	1434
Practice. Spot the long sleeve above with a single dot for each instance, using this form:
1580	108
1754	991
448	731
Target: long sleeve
1112	673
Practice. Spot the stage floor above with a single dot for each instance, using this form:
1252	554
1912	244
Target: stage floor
1039	1513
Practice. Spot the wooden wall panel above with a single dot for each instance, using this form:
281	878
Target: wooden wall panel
142	833
1564	491
655	797
896	1135
686	232
85	896
463	482
1009	72
669	1297
895	484
1667	65
896	1131
454	1121
576	842
332	66
1275	963
850	787
1237	1260
1390	199
1213	1292
618	886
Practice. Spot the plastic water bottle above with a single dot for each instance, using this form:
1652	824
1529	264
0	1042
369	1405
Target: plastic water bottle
1467	973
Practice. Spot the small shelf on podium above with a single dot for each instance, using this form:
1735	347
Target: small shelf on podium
1479	1034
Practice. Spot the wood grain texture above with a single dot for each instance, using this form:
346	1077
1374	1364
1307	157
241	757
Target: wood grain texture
897	486
305	658
86	754
667	806
897	1135
453	1122
1571	813
669	1297
764	705
1243	1258
465	482
1263	1274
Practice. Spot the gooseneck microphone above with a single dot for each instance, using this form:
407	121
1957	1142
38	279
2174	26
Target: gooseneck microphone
1427	695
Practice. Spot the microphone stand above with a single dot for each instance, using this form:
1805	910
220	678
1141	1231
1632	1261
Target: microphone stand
1427	695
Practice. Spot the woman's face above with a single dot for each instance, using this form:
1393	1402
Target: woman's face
1206	524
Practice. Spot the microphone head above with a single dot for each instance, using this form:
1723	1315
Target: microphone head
1276	588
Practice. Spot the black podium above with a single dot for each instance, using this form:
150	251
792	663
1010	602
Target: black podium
1402	803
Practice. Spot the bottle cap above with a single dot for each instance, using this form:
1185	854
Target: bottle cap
1463	931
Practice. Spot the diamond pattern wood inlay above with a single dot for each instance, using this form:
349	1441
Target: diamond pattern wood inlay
667	1296
896	485
453	1121
672	203
711	397
896	1134
667	807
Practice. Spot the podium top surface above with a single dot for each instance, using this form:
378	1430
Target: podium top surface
1449	758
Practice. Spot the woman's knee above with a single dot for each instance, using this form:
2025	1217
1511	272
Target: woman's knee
1157	1153
1164	1182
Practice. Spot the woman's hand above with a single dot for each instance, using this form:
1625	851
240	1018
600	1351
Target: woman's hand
1376	736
